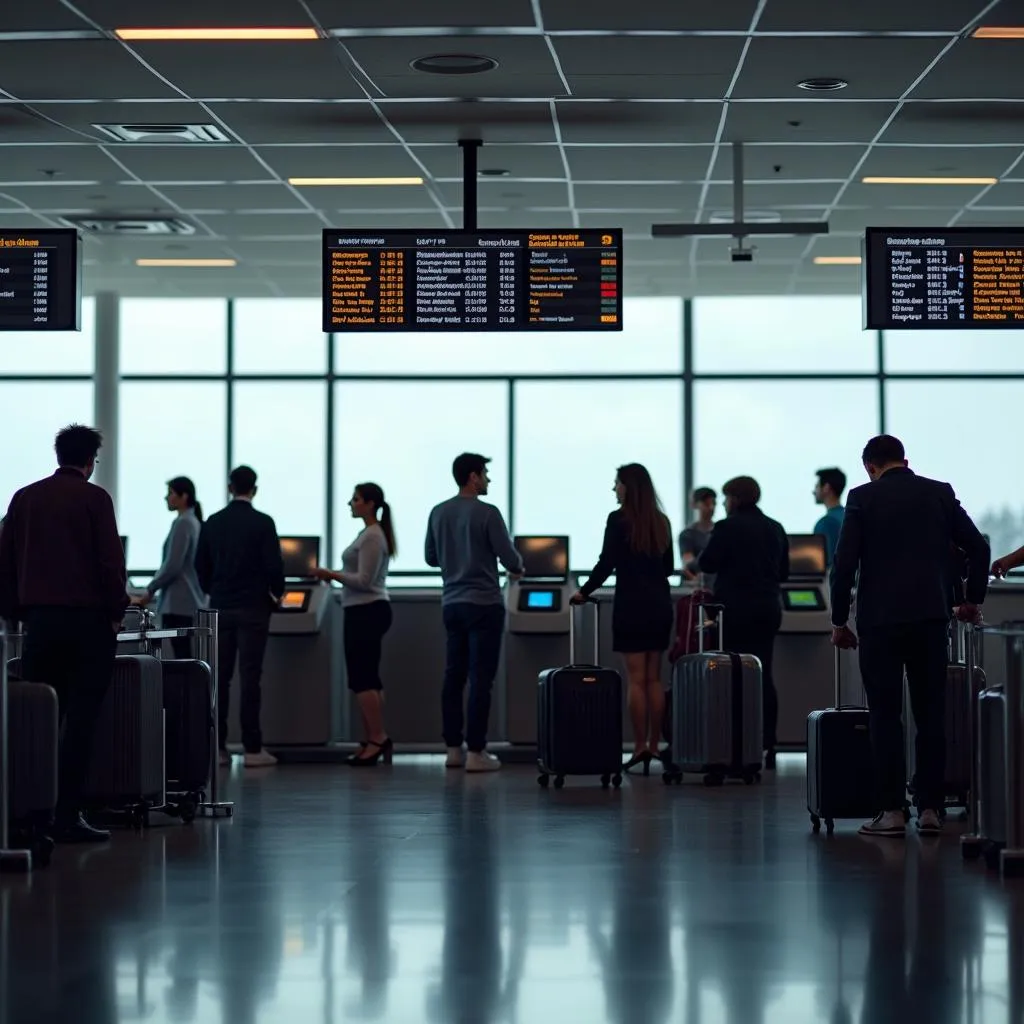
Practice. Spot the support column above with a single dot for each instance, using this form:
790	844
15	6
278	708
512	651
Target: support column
106	394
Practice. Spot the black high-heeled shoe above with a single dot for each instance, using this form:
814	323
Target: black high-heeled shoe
384	752
363	744
644	758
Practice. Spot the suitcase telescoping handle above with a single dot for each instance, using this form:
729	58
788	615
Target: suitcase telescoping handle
574	610
702	622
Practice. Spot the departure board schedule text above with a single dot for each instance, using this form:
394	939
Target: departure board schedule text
934	278
40	281
472	280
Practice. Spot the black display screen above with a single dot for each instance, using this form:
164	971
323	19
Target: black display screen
301	556
561	280
544	557
935	278
807	555
40	280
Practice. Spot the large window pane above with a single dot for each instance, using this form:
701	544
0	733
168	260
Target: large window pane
780	432
31	413
58	352
571	437
980	460
279	336
287	450
802	334
404	437
174	336
650	342
954	351
167	430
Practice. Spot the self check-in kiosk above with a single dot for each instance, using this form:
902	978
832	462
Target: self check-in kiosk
538	628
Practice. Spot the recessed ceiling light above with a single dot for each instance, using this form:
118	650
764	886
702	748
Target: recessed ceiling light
494	172
355	181
454	64
837	261
822	84
185	263
928	181
999	32
214	34
749	217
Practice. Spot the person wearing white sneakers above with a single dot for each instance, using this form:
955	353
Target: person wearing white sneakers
895	544
466	538
239	564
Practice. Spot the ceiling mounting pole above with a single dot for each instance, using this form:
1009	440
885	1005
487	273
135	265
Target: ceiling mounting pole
470	153
737	187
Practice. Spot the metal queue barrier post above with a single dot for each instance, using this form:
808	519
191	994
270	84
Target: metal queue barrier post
10	860
1012	859
208	637
972	843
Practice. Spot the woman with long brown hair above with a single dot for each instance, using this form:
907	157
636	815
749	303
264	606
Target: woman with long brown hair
637	548
367	607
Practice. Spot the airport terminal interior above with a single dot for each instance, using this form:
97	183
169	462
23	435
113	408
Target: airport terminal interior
344	244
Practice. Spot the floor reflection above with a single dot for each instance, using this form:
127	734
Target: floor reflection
415	894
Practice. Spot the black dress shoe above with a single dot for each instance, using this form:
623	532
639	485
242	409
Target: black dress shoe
78	830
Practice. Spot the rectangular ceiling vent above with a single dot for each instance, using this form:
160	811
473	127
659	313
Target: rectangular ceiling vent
191	133
131	225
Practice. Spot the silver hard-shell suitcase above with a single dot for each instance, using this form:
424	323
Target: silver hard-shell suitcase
716	714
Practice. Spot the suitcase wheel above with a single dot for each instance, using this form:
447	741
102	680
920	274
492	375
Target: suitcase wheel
559	781
815	823
830	826
605	781
616	780
713	779
543	779
750	778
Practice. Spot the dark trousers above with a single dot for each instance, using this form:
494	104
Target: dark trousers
72	650
920	649
754	633
243	636
474	646
181	646
365	626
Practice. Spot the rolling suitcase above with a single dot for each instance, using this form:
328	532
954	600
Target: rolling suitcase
126	772
959	745
32	730
840	776
716	714
188	734
992	825
579	718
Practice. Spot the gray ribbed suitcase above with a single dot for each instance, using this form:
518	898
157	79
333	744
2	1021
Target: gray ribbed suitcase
32	729
716	715
127	767
992	767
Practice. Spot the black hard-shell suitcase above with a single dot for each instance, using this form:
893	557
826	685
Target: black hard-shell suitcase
126	772
189	733
579	719
32	732
840	775
716	703
992	772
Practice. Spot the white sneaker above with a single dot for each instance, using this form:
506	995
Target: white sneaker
481	762
929	823
260	760
456	758
889	823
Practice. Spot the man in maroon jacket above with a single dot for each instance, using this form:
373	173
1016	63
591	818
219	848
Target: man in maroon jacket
62	573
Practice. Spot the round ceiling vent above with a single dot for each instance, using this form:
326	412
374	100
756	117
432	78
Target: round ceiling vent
454	64
822	84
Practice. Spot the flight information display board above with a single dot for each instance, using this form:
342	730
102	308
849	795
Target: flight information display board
562	280
934	278
40	280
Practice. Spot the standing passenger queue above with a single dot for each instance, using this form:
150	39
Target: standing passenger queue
62	574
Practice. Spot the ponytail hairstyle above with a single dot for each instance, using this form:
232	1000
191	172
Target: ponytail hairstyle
183	485
374	494
647	524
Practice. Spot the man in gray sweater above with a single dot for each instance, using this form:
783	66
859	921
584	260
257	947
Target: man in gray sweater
466	538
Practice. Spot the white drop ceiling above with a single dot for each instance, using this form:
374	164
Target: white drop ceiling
604	113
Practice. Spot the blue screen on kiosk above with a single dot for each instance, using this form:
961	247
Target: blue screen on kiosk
541	599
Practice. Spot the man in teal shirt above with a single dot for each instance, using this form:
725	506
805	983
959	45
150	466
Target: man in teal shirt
828	491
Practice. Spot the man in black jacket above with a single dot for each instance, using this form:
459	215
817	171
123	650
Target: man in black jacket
239	564
62	573
898	533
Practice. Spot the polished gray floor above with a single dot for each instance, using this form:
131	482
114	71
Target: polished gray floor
413	894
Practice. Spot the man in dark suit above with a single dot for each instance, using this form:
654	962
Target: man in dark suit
239	564
898	533
62	573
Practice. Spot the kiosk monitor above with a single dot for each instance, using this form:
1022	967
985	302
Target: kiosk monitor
544	558
807	555
301	556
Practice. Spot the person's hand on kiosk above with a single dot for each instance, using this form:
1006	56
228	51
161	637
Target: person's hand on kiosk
844	638
578	598
969	613
324	575
1000	567
140	600
515	577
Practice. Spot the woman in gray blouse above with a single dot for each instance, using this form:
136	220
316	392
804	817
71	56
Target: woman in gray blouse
176	581
364	573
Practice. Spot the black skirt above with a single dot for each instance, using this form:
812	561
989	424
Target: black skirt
641	623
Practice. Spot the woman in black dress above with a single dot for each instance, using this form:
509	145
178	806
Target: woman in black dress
637	548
